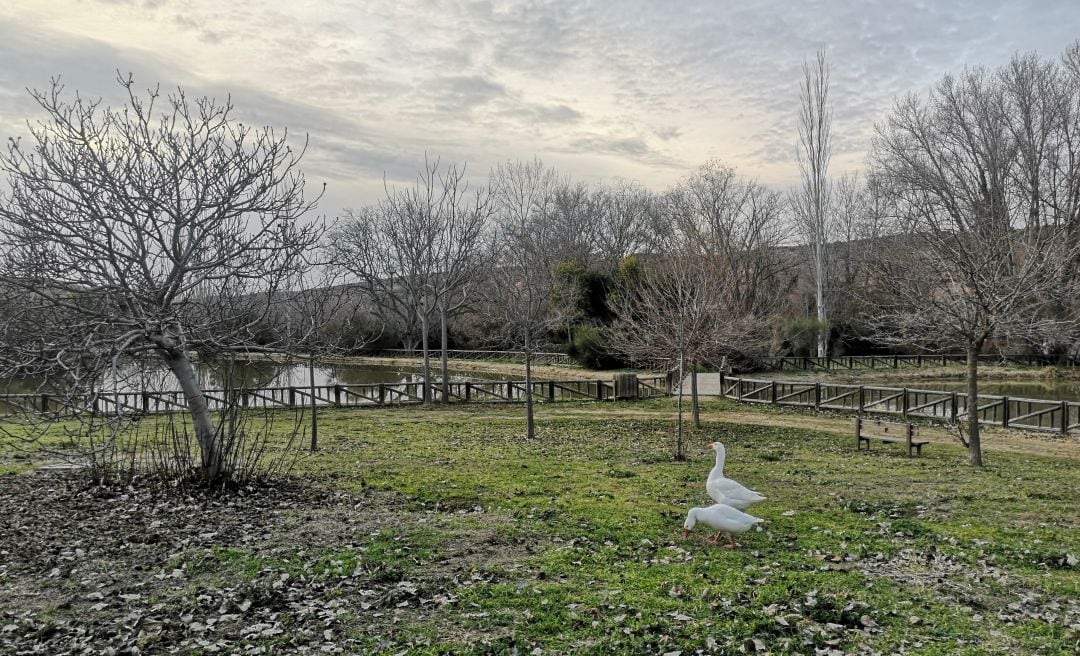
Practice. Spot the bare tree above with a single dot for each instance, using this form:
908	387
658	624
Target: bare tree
628	221
459	254
520	288
159	229
679	310
811	200
416	253
735	226
978	247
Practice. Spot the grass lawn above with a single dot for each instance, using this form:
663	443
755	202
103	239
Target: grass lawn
444	531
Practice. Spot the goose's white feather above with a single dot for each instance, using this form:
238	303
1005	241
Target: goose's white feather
722	518
724	490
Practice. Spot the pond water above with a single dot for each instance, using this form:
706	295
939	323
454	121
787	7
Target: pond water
269	374
1053	390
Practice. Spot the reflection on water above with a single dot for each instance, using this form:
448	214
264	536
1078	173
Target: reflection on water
1055	390
261	374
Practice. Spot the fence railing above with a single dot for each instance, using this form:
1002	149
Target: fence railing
487	356
1005	411
853	362
338	396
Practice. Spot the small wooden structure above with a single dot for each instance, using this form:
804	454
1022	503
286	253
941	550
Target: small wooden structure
626	387
887	431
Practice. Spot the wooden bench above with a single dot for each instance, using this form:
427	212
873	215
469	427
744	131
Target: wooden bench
888	431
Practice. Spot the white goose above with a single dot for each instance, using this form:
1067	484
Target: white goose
724	490
722	519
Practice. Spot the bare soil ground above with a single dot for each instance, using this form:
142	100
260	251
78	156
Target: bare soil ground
88	570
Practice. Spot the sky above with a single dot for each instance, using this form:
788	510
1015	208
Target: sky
642	91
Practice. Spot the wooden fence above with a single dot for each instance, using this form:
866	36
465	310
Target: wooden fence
338	396
853	362
1005	411
486	356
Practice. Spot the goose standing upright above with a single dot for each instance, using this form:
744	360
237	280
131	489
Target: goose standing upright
725	490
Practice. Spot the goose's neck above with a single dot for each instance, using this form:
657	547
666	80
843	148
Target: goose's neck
719	467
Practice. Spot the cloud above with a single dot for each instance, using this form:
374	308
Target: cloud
633	88
462	93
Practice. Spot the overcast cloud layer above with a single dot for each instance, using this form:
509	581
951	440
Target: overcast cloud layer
639	90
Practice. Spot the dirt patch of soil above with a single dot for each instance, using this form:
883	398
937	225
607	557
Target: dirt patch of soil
288	567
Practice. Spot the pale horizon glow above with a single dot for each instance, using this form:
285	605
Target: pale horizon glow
642	91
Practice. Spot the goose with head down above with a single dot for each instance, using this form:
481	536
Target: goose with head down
724	490
722	519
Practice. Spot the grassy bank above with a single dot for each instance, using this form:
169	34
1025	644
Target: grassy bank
442	530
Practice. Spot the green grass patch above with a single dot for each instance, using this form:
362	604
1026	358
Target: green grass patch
570	542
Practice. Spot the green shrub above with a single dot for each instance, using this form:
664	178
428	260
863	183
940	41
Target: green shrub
591	349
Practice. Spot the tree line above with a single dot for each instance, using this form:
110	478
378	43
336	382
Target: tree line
167	229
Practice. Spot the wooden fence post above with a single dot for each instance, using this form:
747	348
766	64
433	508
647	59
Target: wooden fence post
468	391
954	407
1005	412
772	393
551	391
44	402
722	393
862	399
817	396
908	432
600	390
904	403
292	397
1064	417
382	393
337	395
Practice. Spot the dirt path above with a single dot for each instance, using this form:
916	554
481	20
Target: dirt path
994	439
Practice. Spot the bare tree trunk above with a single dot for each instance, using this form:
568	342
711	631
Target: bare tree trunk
974	445
679	451
695	411
426	396
530	430
822	317
445	357
210	447
314	405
